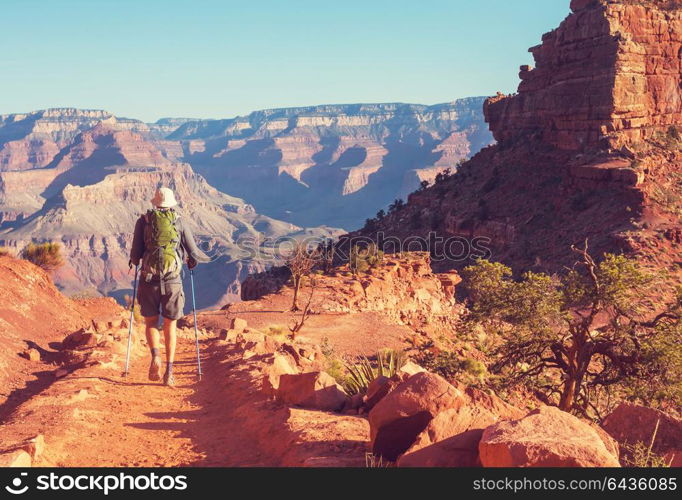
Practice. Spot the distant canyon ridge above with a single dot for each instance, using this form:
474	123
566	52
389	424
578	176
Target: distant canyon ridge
82	177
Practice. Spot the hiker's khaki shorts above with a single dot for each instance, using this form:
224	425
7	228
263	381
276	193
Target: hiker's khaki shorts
152	303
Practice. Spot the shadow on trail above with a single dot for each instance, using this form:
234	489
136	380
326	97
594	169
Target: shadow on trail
43	379
116	382
17	397
215	427
230	422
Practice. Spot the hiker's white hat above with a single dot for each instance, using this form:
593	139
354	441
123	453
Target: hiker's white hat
164	198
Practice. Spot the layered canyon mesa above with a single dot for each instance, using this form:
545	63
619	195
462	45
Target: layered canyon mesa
333	165
92	192
588	149
81	177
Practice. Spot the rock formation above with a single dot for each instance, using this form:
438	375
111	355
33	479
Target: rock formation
608	77
452	438
402	288
82	176
324	165
546	437
589	148
89	197
332	165
32	140
630	424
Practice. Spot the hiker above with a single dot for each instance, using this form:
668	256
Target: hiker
161	243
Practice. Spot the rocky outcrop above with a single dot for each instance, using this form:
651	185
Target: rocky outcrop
34	139
426	422
311	390
608	76
397	420
451	439
588	149
630	424
546	437
402	288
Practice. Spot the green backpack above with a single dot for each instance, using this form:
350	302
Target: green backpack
161	240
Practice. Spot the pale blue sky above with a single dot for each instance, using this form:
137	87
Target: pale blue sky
209	58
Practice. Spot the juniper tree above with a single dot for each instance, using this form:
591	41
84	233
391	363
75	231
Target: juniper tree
596	327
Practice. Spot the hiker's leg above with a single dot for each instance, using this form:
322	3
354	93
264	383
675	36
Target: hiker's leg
152	332
169	335
172	305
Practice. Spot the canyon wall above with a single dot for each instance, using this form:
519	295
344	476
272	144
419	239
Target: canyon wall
81	177
31	140
608	76
589	149
332	165
90	196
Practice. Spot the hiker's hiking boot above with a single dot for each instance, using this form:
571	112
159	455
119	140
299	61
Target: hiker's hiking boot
155	369
168	378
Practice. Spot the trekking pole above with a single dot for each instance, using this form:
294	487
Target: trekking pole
196	330
130	325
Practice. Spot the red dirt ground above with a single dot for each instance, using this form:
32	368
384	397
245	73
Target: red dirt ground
95	417
33	313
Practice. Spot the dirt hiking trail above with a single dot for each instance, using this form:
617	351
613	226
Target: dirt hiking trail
96	417
116	421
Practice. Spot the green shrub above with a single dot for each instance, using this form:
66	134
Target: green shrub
449	365
396	205
46	255
474	368
642	455
360	375
364	259
674	134
334	367
276	330
327	347
446	364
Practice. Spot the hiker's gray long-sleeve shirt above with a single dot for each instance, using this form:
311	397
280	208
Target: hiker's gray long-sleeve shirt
186	249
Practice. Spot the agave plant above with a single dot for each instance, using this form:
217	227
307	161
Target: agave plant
363	372
360	375
389	361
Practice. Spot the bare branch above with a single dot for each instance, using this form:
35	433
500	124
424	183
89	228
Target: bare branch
296	327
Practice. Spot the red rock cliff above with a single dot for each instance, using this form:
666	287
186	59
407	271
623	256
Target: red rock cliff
608	76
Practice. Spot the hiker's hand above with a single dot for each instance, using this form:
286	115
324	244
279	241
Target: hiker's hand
191	263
